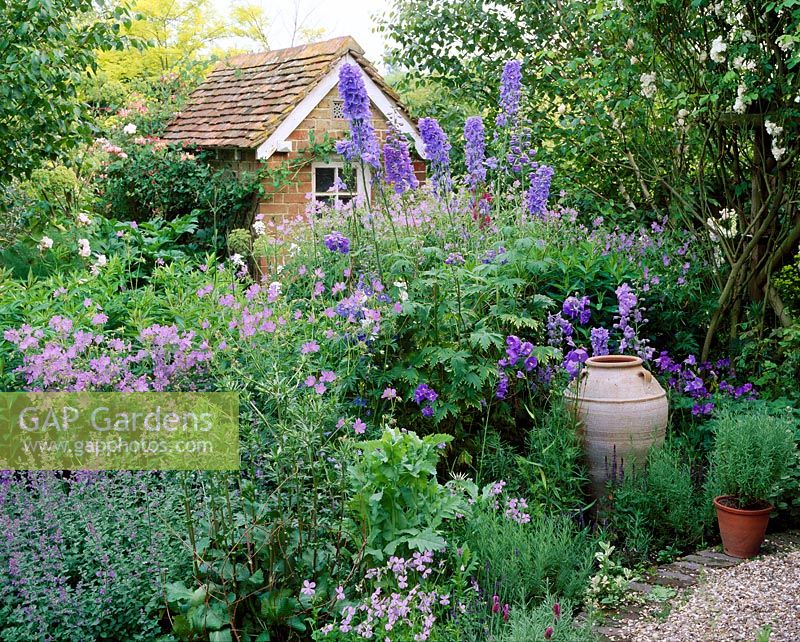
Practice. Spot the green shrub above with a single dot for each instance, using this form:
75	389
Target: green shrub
397	501
553	468
753	455
171	183
529	561
658	507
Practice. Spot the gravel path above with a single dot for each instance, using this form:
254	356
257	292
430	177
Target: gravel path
732	605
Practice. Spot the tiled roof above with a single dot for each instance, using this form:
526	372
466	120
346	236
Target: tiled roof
245	98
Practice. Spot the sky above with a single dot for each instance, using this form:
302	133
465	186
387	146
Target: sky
337	17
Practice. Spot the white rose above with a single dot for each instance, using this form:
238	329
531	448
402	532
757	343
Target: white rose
129	129
259	228
718	49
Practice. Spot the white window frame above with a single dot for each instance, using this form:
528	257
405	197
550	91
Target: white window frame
338	166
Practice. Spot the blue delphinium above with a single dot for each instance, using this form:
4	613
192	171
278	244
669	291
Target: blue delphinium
475	152
356	109
539	190
510	93
437	149
397	163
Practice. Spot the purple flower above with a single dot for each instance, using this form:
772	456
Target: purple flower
437	149
424	393
308	588
355	101
627	300
599	339
389	393
327	376
502	387
701	409
548	633
475	151
309	347
510	92
99	318
397	163
356	109
454	258
576	308
539	190
337	242
359	427
573	361
424	396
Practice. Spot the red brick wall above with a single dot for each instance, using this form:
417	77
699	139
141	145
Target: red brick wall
290	201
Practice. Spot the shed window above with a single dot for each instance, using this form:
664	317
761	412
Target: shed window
330	183
338	109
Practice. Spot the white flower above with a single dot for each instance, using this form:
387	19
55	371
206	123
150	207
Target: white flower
785	42
562	108
648	85
629	44
237	260
741	100
259	228
84	249
772	129
740	64
747	36
83	219
777	152
101	262
634	60
129	129
718	48
46	243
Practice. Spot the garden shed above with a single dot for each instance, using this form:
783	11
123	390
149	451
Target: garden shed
257	111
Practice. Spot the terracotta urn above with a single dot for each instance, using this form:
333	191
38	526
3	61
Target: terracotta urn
622	411
742	530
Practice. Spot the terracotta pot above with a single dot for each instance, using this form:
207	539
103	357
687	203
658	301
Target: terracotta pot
742	530
622	412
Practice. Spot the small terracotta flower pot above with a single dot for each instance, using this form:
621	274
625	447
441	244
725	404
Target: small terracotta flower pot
742	530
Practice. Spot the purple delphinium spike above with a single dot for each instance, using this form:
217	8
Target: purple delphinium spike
356	109
397	163
510	92
437	149
475	152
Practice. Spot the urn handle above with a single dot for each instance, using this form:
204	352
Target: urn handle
646	375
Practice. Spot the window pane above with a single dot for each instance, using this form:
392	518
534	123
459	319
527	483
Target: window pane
348	178
324	178
323	199
345	199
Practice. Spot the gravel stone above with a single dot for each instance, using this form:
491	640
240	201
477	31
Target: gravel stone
732	605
